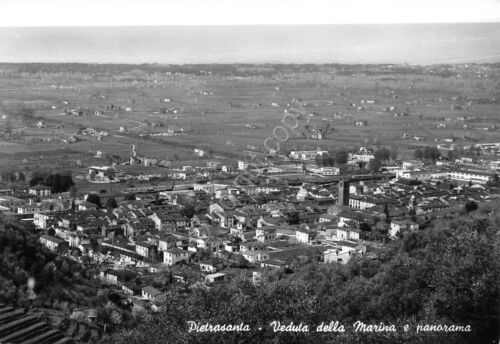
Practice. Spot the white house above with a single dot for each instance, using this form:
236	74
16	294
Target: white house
28	209
242	165
306	155
216	277
171	257
397	226
255	256
480	177
40	220
40	190
326	171
304	236
200	152
348	234
152	294
264	234
343	253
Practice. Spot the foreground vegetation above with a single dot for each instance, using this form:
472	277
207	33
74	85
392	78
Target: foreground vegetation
56	277
447	274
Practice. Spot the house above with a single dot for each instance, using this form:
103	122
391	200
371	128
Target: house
266	233
368	201
168	241
256	277
251	246
306	155
173	256
93	132
131	289
116	277
272	264
224	219
255	256
169	221
40	191
228	168
412	164
480	177
42	221
128	258
28	209
231	247
216	277
305	236
213	164
87	206
399	225
211	245
242	165
317	136
100	173
343	253
361	156
327	218
200	152
52	243
348	234
109	277
153	294
145	249
326	171
211	265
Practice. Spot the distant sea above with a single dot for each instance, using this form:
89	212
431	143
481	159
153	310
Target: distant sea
398	43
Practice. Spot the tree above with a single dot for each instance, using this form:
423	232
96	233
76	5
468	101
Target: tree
375	165
451	155
58	183
494	181
325	160
341	156
387	214
36	180
129	197
110	173
94	244
21	177
188	211
419	154
294	218
394	154
382	154
431	153
95	199
365	227
72	195
111	203
470	206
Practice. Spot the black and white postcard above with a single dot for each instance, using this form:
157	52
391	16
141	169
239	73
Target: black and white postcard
249	171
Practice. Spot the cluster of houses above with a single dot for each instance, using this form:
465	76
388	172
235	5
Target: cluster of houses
202	233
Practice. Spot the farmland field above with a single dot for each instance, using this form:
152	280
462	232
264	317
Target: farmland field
167	111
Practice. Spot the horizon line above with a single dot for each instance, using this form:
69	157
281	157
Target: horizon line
161	64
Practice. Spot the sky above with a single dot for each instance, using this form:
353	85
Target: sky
34	13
